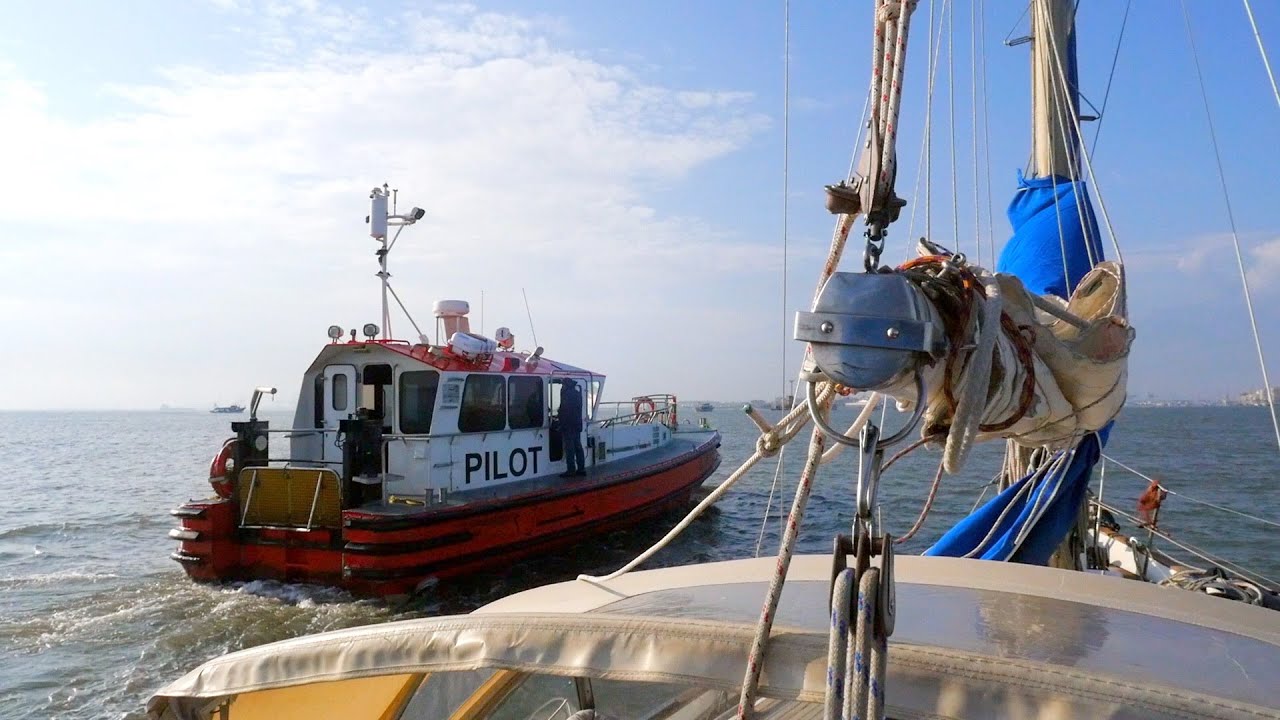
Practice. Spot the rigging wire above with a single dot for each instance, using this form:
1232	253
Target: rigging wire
925	144
986	130
1088	162
1106	95
951	104
1202	554
973	119
1248	8
1188	498
1235	236
786	170
786	191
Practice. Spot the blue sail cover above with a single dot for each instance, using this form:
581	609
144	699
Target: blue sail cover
1053	227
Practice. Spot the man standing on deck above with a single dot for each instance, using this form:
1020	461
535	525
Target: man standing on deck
570	416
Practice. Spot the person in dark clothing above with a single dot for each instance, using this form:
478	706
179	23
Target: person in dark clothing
570	416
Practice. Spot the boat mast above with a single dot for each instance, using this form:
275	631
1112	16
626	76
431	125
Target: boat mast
1054	140
379	221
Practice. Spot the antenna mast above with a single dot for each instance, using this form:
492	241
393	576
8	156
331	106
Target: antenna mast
379	222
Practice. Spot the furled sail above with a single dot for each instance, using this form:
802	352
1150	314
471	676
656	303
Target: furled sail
1055	250
1054	246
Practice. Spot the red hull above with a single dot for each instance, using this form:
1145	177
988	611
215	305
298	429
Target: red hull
384	555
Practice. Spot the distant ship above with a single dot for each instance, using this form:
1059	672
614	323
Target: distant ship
230	409
704	407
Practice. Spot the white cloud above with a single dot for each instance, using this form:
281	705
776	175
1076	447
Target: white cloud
221	201
1263	264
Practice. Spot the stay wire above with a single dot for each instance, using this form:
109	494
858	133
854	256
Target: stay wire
1188	498
1235	236
1106	95
1248	8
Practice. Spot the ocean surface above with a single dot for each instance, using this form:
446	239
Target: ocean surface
94	616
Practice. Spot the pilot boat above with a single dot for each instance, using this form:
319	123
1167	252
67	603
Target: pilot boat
1005	616
408	462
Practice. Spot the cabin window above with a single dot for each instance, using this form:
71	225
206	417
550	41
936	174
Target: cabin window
317	403
526	406
559	695
484	404
417	400
593	397
375	389
339	392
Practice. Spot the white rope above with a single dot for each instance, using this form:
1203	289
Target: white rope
1062	237
854	428
1188	498
1044	500
755	661
974	381
1235	236
768	444
1262	50
707	502
768	505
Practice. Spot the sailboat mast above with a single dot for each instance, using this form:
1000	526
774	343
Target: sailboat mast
1054	141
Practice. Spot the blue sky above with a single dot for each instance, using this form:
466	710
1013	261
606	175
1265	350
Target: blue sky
181	212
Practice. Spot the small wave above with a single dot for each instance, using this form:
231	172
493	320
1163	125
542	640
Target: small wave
54	578
34	530
306	596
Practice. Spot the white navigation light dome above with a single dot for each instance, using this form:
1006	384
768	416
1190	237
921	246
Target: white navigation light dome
504	338
335	332
451	308
453	315
370	330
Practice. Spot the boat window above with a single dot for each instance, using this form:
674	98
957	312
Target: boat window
375	388
484	404
526	404
339	392
417	400
593	397
544	697
630	699
317	403
441	693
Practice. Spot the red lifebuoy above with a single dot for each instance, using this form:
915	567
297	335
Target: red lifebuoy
222	485
644	405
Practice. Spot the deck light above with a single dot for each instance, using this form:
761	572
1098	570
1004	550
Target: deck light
370	330
335	332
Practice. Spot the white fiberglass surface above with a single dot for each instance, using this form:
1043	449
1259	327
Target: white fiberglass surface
1120	643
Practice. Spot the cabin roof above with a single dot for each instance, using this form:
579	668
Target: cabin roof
437	357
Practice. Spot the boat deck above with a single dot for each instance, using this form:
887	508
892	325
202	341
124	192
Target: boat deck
682	447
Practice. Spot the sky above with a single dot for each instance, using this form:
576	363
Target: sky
185	184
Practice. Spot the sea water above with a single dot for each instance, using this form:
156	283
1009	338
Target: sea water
94	616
